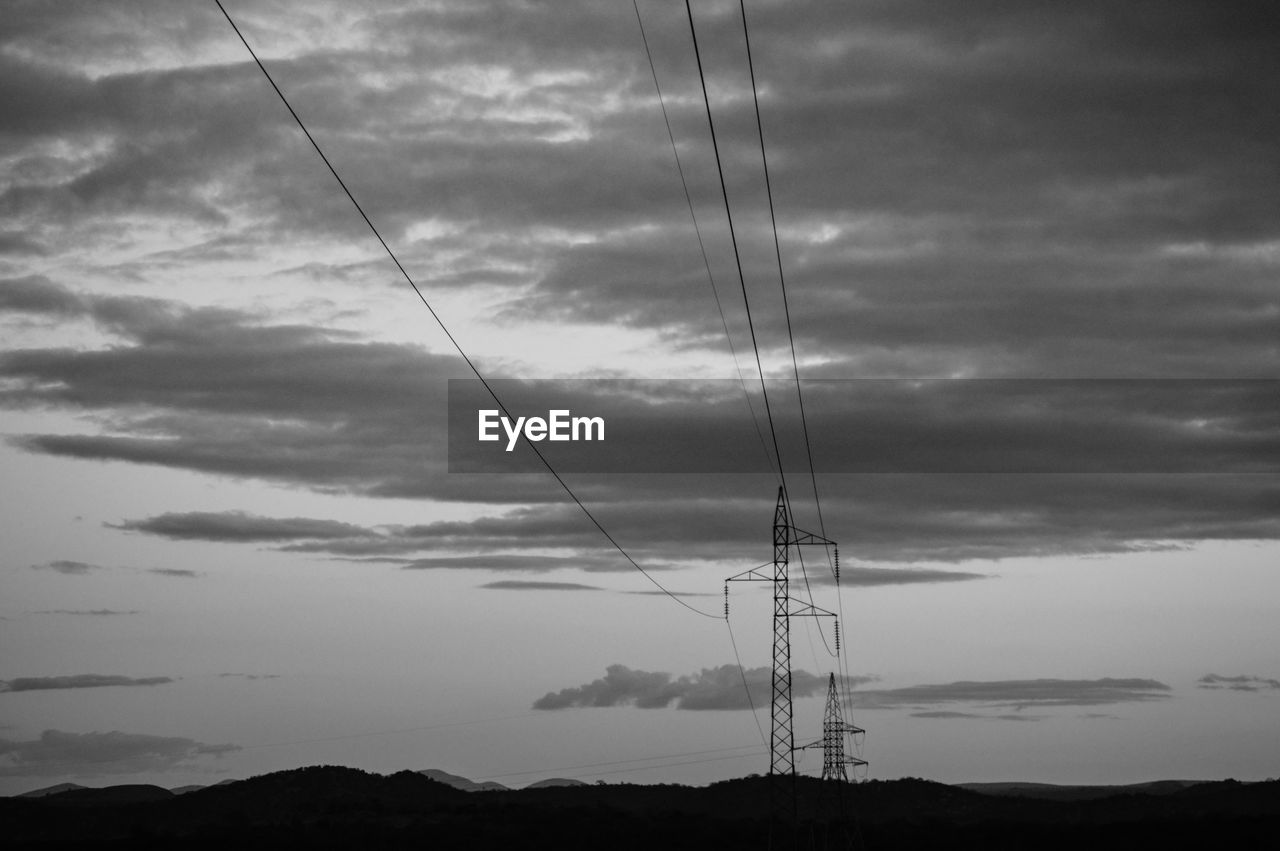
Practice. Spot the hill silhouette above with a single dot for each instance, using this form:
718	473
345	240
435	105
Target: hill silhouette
324	806
463	783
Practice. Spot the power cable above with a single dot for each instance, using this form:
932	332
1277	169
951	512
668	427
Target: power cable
743	672
724	191
822	529
777	248
445	329
715	292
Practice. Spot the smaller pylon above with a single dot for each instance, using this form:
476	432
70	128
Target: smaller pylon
834	728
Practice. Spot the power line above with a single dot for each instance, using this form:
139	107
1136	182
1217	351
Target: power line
445	329
777	249
724	191
715	292
764	159
743	671
723	321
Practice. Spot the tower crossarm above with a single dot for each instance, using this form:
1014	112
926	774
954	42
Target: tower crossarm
808	610
801	538
755	574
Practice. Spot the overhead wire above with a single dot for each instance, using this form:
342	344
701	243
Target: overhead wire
723	321
777	248
688	197
842	658
737	256
743	673
474	369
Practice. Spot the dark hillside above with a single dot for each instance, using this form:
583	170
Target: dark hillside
331	806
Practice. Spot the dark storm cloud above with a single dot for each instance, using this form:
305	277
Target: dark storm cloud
69	568
1082	191
1016	693
899	519
710	688
1079	191
217	392
1001	192
501	103
527	585
78	681
189	390
61	753
1242	682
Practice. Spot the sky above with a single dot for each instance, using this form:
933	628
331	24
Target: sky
1030	255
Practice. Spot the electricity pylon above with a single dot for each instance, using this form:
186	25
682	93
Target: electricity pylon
782	761
834	728
839	828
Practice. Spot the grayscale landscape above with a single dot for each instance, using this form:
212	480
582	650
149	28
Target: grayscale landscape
679	424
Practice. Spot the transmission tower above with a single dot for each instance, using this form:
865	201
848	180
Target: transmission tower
782	761
834	728
838	828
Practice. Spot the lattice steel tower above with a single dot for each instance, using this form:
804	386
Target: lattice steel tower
834	729
782	760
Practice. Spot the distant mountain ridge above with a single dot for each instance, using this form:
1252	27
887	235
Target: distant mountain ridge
555	783
328	806
56	789
459	782
1062	792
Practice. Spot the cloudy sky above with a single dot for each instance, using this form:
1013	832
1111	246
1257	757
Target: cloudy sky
232	539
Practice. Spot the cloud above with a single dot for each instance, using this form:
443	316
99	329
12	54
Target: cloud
945	713
78	681
977	261
38	295
516	562
1100	239
174	572
525	585
722	688
1238	683
952	518
1016	693
95	612
69	568
185	388
250	676
61	753
239	526
710	688
870	577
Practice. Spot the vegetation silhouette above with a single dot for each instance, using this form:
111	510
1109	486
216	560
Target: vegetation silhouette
328	806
